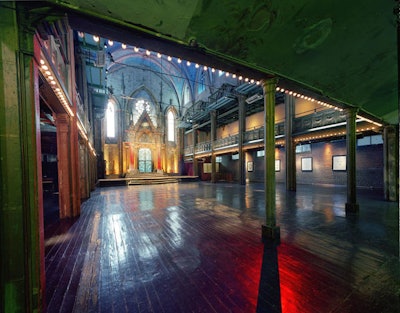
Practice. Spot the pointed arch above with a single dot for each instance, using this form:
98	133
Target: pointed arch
171	115
171	125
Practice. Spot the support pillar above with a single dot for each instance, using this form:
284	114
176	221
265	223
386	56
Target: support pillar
242	129
74	133
181	138
290	147
83	169
391	163
74	167
63	155
397	12
131	158
270	232
195	162
121	122
22	276
213	115
351	142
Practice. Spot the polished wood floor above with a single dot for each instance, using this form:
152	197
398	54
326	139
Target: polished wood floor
196	247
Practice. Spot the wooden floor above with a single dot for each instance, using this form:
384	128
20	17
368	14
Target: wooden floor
195	247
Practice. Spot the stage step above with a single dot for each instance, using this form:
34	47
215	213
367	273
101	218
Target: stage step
152	180
145	179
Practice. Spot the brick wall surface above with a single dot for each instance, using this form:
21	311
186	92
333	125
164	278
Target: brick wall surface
369	162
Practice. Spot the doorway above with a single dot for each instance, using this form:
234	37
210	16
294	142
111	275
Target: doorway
145	161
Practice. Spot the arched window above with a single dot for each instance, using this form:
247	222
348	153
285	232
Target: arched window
110	120
171	126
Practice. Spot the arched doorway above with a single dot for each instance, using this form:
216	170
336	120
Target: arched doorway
145	161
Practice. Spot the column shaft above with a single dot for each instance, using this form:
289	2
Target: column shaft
391	163
290	147
74	170
351	142
213	133
242	129
270	231
195	163
63	156
181	138
21	215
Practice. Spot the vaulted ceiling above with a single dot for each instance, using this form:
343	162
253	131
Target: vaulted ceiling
344	51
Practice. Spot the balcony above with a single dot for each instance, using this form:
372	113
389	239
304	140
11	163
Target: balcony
318	119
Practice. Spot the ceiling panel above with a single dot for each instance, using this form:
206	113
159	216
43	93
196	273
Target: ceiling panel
345	51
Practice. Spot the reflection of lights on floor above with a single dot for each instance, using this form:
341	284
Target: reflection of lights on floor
57	239
207	255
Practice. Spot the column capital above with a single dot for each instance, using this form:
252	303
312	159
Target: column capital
62	122
350	111
269	81
390	128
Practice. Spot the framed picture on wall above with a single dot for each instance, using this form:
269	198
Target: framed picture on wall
306	164
277	165
339	163
250	166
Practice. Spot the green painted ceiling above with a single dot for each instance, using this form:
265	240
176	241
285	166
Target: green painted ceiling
343	50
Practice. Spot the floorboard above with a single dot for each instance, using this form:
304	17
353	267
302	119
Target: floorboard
196	247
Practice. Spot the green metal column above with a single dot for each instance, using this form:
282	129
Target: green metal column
290	147
351	142
181	145
270	232
391	162
242	129
213	115
21	262
195	162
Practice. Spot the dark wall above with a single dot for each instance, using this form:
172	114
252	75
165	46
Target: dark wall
369	162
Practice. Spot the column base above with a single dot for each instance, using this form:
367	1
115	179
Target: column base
270	234
352	208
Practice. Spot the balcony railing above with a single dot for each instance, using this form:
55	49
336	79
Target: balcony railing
57	57
254	134
330	117
203	147
319	119
227	141
188	150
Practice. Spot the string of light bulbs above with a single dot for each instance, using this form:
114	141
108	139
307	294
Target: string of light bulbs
233	75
